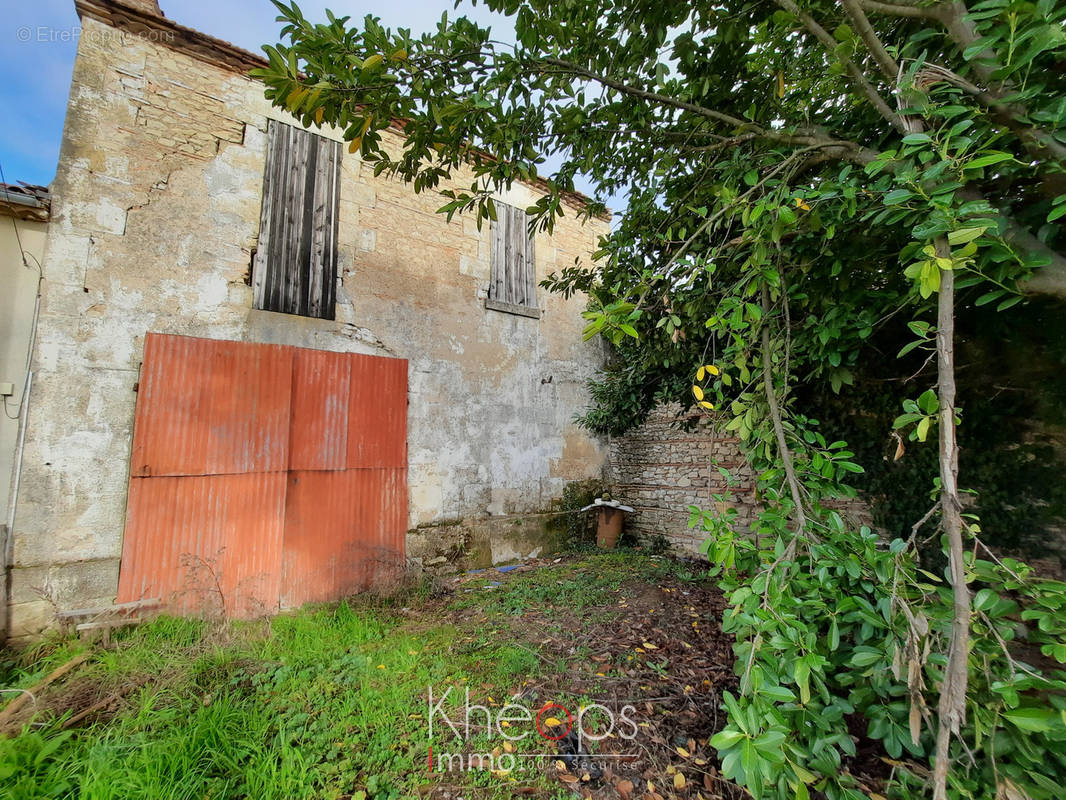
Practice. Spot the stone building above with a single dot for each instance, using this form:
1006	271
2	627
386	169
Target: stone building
159	227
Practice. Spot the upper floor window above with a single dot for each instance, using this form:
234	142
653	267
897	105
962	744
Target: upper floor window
295	266
514	267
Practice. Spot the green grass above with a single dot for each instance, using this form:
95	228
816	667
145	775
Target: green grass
595	580
324	703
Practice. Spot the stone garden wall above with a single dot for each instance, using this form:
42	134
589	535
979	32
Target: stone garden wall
661	470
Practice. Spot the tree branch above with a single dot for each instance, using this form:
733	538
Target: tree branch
1037	142
899	9
775	416
842	149
644	94
888	65
951	711
856	74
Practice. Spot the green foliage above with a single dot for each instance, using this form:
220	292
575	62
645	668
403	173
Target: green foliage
576	528
317	704
1012	389
856	627
797	176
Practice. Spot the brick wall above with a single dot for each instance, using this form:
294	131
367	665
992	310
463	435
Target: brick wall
661	470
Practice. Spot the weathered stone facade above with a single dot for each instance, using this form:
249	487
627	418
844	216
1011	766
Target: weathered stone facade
661	470
155	217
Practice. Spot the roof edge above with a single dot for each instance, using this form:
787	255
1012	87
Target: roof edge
25	201
220	53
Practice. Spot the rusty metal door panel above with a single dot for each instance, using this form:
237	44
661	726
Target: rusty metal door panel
343	534
377	424
319	426
263	475
205	545
211	407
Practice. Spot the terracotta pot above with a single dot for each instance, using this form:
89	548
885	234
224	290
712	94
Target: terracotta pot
609	527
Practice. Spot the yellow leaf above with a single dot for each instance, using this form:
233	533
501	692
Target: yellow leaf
355	145
399	55
504	723
650	646
651	786
712	369
561	766
698	392
508	747
381	666
679	781
681	751
701	373
705	404
319	113
552	722
373	61
780	83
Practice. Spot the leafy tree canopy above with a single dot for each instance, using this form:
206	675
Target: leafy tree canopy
834	138
798	174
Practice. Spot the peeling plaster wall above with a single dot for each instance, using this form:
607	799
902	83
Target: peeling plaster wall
154	219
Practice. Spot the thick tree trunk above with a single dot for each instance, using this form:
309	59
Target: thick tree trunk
952	707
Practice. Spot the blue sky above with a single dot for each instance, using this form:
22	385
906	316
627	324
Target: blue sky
37	56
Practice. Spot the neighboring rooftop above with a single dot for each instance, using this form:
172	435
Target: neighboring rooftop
25	201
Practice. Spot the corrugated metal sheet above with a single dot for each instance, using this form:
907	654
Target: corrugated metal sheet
320	409
344	533
208	407
377	425
263	475
205	545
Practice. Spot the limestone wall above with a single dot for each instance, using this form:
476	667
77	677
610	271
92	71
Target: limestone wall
155	217
661	470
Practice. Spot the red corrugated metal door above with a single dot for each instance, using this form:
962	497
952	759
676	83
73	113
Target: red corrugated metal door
346	514
263	475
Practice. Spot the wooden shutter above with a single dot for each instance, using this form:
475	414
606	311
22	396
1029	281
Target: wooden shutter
295	269
514	267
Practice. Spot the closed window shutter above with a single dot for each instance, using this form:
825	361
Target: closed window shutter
295	269
514	266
